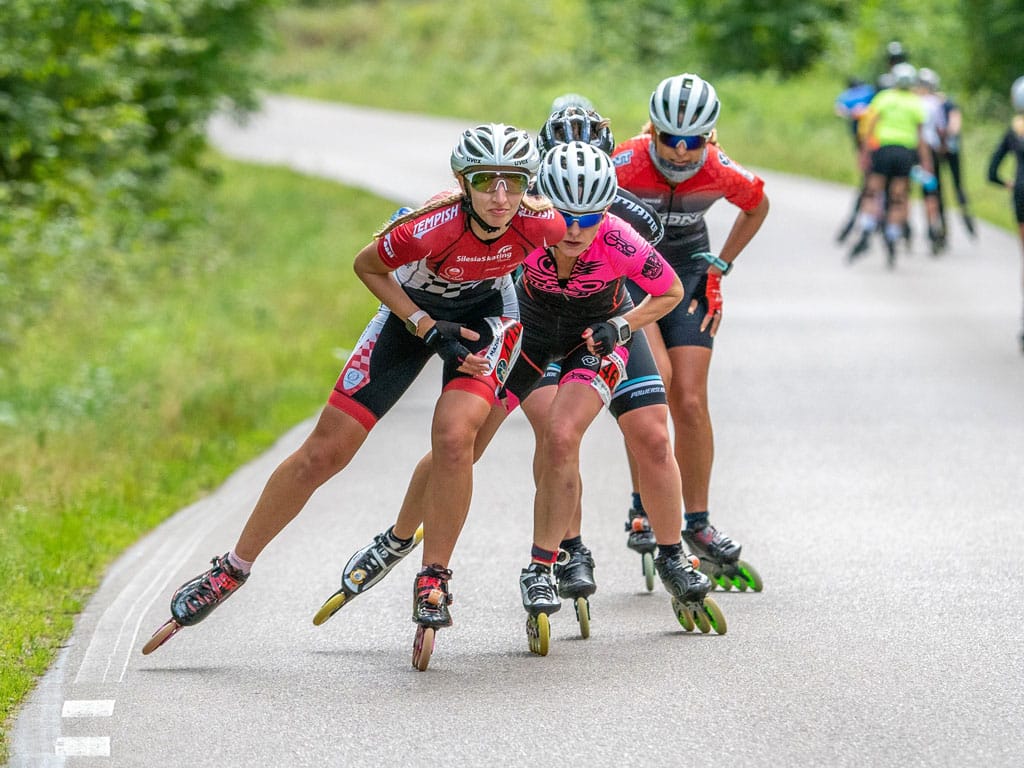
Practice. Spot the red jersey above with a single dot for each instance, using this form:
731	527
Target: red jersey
436	256
682	206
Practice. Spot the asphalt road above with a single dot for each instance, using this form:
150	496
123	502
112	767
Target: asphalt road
870	439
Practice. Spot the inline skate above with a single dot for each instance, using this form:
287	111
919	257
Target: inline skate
195	599
430	601
574	573
641	540
689	588
540	599
364	569
720	559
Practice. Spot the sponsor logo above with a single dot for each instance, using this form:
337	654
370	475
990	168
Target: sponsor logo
591	360
453	273
653	267
434	220
501	372
353	378
505	253
387	246
680	219
623	158
613	238
727	162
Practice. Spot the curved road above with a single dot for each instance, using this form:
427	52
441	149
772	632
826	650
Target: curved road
870	440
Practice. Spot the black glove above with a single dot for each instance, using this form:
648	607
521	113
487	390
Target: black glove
605	338
443	338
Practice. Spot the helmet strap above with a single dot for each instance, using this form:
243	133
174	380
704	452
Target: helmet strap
467	206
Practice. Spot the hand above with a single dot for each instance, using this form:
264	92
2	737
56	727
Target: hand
602	338
713	295
444	338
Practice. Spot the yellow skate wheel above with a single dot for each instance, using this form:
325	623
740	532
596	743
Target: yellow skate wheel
750	575
422	647
682	615
331	607
538	633
648	565
583	616
714	616
418	536
161	636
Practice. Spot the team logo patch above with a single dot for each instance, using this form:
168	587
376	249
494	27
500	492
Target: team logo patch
653	267
613	238
353	378
434	220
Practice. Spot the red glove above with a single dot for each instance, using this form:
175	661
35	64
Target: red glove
713	293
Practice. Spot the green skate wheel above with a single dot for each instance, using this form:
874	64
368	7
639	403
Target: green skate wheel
750	575
723	582
583	616
714	616
538	633
682	615
422	647
739	582
331	607
648	566
702	621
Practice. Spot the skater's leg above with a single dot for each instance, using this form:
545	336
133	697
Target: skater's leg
646	434
691	420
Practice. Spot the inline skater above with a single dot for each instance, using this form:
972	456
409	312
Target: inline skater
933	133
676	166
442	275
851	105
895	118
1012	143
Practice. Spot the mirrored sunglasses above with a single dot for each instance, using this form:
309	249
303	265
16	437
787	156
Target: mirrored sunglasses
489	181
691	142
584	219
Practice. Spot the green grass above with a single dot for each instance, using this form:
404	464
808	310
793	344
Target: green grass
124	409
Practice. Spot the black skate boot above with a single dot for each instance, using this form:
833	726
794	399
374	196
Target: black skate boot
936	239
720	559
365	568
890	253
641	537
430	601
194	600
574	571
540	599
689	588
860	247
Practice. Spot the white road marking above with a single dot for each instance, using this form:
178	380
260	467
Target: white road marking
88	708
83	746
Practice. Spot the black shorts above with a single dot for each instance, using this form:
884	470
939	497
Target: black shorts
679	328
893	161
1018	202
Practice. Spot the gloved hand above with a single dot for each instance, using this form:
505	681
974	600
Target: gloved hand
713	295
444	338
605	338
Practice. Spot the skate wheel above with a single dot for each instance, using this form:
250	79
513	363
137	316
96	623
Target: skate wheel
750	576
331	607
583	616
161	636
648	566
714	616
418	536
683	615
739	582
724	582
422	647
538	633
701	620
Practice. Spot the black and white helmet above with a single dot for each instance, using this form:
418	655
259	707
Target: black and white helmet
685	105
575	124
1017	94
494	146
577	178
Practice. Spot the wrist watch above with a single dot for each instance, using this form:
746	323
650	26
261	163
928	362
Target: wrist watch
622	330
413	322
715	261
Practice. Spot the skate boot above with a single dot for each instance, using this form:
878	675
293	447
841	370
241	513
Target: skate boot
195	599
936	239
969	223
574	572
859	247
890	253
364	569
430	601
689	588
540	599
720	559
641	540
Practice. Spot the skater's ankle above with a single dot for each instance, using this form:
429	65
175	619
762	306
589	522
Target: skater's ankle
638	505
242	566
543	556
666	551
696	520
397	541
571	545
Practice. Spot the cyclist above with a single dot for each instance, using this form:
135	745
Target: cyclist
440	272
1012	143
676	166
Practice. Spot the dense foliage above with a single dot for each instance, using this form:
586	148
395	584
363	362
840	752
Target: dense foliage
100	100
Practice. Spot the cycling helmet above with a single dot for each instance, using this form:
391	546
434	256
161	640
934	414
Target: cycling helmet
577	178
929	78
1017	94
684	105
495	146
895	53
575	124
904	75
571	100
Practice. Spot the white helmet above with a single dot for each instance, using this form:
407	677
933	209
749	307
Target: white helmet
928	78
1017	94
904	75
684	105
495	146
578	178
